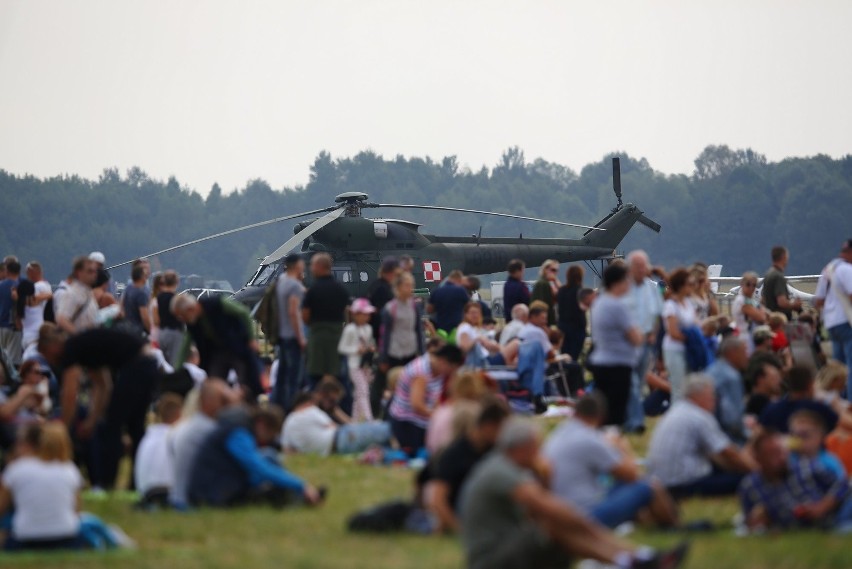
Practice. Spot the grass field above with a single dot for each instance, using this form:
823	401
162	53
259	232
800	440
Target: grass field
313	539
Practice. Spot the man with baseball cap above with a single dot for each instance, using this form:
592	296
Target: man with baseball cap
834	297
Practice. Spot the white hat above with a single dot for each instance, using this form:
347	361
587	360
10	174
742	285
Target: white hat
97	257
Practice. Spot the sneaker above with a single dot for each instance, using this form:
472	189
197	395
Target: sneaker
671	559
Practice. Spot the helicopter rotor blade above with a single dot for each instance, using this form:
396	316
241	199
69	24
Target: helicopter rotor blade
494	213
225	233
302	235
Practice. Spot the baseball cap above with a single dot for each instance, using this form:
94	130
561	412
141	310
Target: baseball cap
762	332
97	257
362	306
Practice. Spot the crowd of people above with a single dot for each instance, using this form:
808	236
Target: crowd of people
177	385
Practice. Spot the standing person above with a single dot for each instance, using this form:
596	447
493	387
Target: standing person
616	337
324	311
381	292
702	296
289	293
123	378
678	313
418	391
834	297
78	310
515	290
223	332
401	336
747	310
546	288
33	304
646	307
357	346
571	318
171	329
134	301
510	521
10	336
447	303
775	295
153	309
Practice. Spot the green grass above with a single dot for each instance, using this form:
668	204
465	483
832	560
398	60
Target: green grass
308	539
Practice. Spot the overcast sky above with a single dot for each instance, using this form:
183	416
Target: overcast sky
224	91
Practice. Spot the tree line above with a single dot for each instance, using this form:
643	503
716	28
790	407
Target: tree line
731	210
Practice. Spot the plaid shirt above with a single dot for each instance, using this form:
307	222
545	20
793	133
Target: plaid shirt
808	480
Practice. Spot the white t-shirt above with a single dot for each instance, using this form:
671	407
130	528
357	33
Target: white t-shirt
45	498
474	333
309	431
744	325
34	315
354	338
154	467
685	314
511	331
833	312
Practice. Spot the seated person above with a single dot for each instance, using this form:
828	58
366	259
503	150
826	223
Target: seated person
43	485
726	372
581	457
455	463
536	329
479	349
509	520
802	386
212	396
465	387
785	494
688	442
30	401
230	468
520	313
154	469
807	434
766	384
659	396
308	429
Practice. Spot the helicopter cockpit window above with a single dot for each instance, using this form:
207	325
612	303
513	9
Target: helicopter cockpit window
342	274
364	276
265	275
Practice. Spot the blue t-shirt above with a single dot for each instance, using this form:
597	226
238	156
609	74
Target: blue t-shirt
448	300
611	320
6	305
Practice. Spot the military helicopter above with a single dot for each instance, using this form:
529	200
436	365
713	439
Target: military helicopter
358	244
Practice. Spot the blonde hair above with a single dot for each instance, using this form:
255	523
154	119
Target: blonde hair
54	444
777	319
830	373
546	265
467	385
465	414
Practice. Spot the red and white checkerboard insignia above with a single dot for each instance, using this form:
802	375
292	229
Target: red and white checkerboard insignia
432	271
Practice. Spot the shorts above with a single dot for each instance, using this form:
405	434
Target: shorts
527	548
496	359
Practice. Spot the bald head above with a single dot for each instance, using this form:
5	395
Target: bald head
639	265
214	395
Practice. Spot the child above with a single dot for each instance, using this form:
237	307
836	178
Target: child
357	344
777	322
154	466
807	432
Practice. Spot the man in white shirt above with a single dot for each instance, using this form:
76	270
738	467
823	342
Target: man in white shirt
34	304
154	465
535	330
520	316
834	297
645	304
310	430
78	310
688	441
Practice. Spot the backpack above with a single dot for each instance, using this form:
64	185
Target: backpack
387	517
266	312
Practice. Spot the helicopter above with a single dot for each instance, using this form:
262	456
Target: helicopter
359	245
